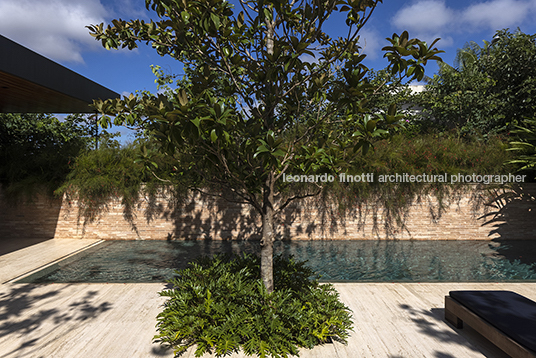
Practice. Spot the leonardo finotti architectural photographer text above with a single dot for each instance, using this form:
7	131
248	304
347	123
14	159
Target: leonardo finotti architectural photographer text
406	178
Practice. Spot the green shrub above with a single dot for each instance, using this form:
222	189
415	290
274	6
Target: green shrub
100	175
220	304
113	173
489	88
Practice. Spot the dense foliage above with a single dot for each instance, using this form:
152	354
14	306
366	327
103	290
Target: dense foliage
220	305
490	89
131	173
36	150
391	89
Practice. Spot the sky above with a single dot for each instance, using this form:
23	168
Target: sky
56	30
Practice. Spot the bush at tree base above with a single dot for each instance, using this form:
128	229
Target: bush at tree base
220	305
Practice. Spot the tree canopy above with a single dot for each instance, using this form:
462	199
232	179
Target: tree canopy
37	149
490	89
252	108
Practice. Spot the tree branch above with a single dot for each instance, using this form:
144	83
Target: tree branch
296	197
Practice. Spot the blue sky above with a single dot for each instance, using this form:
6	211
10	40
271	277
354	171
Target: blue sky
56	29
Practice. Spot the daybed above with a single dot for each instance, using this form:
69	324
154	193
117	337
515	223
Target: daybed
505	318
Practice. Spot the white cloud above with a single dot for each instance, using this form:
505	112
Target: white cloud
429	19
309	58
371	43
497	14
424	16
53	28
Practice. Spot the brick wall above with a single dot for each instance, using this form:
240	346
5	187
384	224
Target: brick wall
472	215
36	218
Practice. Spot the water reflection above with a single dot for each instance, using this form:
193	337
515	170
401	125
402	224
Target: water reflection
378	261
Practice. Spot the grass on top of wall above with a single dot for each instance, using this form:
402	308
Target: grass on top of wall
430	154
437	154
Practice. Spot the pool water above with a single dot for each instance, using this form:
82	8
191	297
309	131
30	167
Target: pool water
375	261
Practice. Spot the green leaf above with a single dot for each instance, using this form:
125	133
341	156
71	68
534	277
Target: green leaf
279	153
392	109
196	121
371	125
260	149
365	148
267	13
380	132
215	19
240	19
213	136
182	97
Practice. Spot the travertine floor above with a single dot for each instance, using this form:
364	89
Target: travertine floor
392	320
22	261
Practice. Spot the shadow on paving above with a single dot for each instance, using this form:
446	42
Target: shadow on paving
465	337
21	314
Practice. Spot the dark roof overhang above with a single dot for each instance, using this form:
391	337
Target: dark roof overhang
31	83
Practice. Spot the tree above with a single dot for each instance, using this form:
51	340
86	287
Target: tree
36	149
511	65
254	110
489	89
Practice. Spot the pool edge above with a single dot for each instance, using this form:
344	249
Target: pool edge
28	273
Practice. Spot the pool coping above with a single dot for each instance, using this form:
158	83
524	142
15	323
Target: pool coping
23	262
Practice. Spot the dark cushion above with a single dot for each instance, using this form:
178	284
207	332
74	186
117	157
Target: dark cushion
507	311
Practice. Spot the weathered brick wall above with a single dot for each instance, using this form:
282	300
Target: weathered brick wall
36	218
472	215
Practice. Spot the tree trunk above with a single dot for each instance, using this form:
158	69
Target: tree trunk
267	241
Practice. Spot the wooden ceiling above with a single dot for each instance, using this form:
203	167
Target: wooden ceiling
21	96
31	83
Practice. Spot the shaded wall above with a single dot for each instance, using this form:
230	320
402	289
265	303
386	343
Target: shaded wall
23	223
472	215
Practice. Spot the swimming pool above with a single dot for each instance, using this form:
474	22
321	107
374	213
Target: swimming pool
373	261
